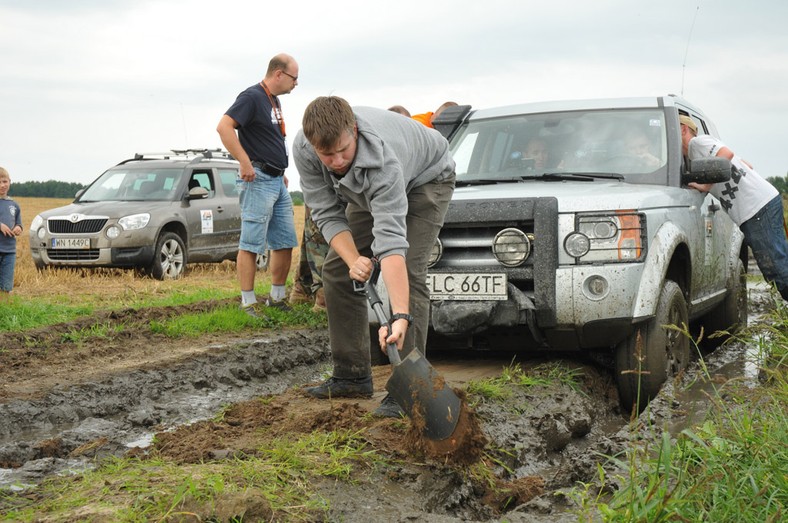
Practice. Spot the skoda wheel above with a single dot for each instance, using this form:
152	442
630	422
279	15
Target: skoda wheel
169	258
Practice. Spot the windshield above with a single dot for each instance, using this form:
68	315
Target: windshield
629	143
132	185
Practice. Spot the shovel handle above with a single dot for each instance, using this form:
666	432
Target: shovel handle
368	288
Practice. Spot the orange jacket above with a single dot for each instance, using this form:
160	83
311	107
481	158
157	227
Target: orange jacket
425	118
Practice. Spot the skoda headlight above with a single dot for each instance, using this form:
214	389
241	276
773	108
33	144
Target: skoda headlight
135	221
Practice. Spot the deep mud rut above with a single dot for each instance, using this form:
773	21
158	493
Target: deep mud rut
65	405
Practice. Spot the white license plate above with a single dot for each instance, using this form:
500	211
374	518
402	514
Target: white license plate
467	286
70	243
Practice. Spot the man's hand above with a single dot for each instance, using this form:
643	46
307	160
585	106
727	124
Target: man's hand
702	187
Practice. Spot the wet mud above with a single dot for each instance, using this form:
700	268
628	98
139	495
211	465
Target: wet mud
64	407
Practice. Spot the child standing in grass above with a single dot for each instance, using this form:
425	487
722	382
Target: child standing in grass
10	228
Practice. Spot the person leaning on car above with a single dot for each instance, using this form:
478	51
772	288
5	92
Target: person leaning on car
260	147
750	200
377	184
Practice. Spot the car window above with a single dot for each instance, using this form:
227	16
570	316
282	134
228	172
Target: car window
127	184
631	143
228	178
204	179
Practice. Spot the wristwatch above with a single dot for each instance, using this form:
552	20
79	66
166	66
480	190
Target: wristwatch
401	316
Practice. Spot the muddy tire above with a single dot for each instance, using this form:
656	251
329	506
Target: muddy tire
653	353
731	315
169	258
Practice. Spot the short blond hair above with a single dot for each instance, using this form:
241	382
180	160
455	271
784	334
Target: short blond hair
4	173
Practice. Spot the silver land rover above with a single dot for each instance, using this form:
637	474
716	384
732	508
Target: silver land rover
153	212
572	227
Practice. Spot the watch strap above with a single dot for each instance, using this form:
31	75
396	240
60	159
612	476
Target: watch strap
401	316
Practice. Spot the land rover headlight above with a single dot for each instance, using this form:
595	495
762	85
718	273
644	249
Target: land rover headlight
617	236
511	247
435	253
577	244
135	221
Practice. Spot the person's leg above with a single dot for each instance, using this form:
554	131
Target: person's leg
255	212
348	320
427	207
281	236
7	263
766	235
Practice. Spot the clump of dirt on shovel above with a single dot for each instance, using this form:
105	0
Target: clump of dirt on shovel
463	447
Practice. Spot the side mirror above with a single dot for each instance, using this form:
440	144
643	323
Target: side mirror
197	193
450	119
708	170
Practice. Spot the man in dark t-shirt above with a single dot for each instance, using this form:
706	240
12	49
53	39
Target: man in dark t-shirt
253	131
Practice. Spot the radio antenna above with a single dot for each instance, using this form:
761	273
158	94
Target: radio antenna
686	51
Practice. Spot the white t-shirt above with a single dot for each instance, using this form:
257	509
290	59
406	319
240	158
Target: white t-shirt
746	192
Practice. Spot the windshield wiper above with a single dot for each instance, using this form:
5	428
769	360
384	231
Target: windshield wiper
486	181
580	177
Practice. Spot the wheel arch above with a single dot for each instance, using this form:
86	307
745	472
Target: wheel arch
178	228
668	258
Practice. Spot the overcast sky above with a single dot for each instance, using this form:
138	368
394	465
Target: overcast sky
85	84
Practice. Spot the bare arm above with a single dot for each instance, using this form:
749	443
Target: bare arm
229	137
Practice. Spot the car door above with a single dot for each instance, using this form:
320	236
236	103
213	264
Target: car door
213	221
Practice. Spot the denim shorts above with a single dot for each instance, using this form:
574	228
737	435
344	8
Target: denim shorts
7	262
266	214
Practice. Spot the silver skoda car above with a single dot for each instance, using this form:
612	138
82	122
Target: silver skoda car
154	212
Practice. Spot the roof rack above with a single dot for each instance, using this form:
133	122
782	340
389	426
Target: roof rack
183	154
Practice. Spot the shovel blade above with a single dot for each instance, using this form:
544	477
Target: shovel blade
420	390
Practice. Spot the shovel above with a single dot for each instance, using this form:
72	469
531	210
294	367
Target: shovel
414	384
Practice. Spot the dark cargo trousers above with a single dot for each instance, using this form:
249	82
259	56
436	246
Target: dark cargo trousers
348	317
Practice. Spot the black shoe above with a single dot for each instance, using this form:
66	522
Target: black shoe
282	304
389	408
342	388
252	310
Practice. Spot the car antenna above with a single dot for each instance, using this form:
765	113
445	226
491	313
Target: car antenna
686	51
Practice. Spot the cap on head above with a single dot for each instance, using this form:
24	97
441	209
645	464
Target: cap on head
686	120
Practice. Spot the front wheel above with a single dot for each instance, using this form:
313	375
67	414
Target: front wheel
169	258
655	352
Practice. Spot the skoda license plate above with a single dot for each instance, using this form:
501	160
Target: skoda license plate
467	286
70	243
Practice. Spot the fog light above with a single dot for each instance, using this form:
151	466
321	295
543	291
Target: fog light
511	247
577	244
595	287
113	232
435	253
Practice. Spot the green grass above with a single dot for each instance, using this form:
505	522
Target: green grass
500	388
18	315
135	490
731	467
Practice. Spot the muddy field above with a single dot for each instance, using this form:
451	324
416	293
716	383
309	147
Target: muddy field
65	405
